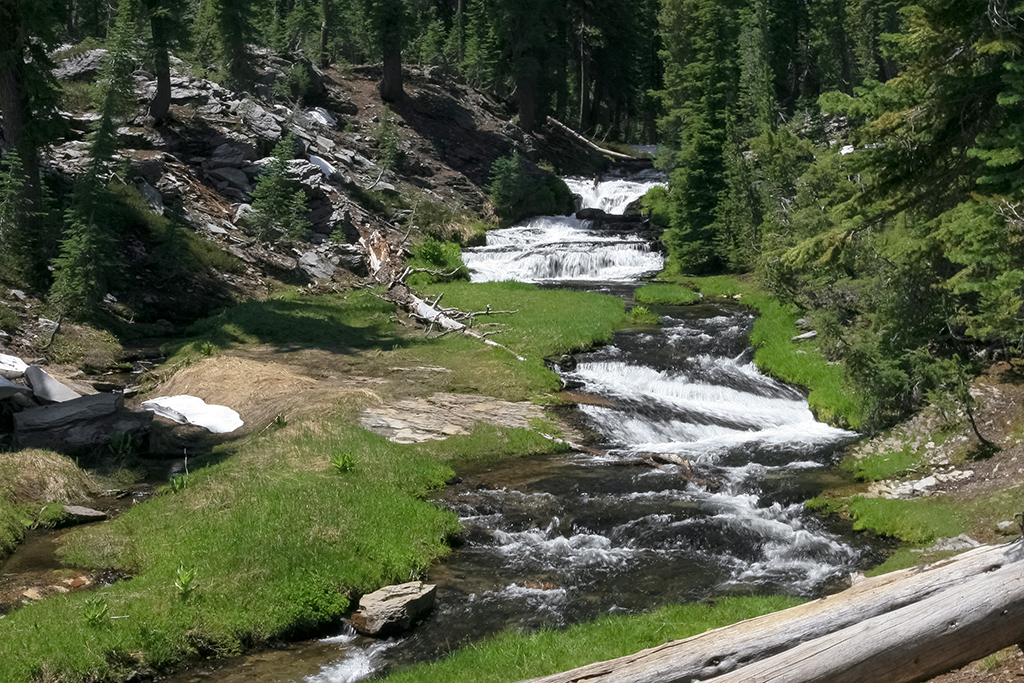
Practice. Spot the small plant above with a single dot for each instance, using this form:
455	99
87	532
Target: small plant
642	314
386	133
207	349
342	462
184	582
121	446
180	483
96	611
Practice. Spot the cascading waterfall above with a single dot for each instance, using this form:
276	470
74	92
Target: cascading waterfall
560	248
551	541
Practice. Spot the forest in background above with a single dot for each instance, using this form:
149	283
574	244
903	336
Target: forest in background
860	157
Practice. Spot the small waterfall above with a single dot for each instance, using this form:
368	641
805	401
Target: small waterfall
563	248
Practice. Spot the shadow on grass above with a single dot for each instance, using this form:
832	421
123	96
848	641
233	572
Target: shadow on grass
358	321
982	451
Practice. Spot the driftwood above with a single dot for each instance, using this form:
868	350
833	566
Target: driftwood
900	627
388	268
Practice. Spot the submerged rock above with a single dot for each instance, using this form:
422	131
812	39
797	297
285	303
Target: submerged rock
394	608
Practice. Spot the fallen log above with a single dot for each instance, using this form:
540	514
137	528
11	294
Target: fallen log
555	123
974	590
388	268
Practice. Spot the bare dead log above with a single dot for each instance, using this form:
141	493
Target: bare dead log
388	268
906	626
573	134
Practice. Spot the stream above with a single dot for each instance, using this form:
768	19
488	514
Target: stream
555	540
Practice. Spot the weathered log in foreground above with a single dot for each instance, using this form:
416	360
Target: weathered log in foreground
901	627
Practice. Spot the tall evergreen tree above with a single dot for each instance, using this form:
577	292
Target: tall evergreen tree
387	17
28	102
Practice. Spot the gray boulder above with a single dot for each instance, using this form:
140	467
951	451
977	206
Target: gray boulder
9	388
316	266
46	388
394	608
12	367
233	177
82	67
80	425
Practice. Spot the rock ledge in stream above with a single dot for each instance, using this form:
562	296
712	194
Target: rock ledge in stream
443	415
394	608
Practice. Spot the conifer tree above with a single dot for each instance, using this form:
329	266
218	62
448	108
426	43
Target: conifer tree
28	106
387	17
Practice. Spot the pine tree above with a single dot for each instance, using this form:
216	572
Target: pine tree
387	17
28	104
279	203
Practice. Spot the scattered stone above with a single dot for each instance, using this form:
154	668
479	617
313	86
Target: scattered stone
12	367
961	542
33	594
1009	528
394	608
192	410
83	514
18	294
46	388
9	388
81	67
806	335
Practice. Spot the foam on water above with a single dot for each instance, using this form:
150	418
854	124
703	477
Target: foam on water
355	664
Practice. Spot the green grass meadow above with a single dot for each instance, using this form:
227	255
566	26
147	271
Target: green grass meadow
274	541
514	656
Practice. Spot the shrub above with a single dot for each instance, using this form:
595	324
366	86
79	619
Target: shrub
279	203
386	133
520	189
445	258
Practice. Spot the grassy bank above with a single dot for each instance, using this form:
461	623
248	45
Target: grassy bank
272	540
517	656
830	398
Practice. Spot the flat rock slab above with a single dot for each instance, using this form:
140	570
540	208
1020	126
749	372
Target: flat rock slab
12	367
82	514
442	415
185	409
394	608
47	388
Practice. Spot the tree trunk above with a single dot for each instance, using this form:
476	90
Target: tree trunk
325	27
15	113
584	87
899	627
527	95
391	88
159	108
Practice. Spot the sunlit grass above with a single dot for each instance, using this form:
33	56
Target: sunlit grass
515	656
666	294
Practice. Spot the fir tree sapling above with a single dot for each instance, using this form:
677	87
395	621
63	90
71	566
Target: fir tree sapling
280	208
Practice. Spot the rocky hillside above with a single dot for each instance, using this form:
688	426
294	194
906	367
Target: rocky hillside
201	167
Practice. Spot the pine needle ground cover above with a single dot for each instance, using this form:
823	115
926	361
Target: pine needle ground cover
274	539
